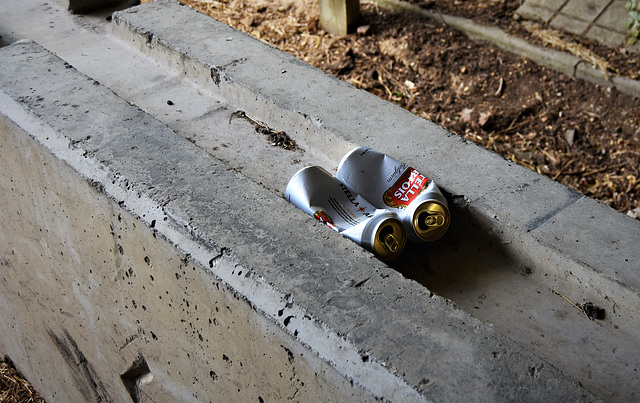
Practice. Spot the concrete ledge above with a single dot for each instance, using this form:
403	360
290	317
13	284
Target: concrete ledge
532	217
171	211
323	112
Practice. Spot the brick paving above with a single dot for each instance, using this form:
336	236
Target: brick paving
602	20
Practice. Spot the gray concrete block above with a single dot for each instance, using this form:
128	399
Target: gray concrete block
585	9
627	85
614	17
510	201
569	23
535	13
606	36
587	71
502	238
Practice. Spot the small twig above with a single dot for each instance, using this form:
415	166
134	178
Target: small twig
595	171
568	300
410	103
381	81
499	90
563	168
512	127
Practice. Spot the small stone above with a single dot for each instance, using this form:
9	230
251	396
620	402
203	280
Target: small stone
635	213
569	135
465	115
363	30
484	118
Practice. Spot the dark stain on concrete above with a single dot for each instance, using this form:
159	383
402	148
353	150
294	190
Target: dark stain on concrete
82	370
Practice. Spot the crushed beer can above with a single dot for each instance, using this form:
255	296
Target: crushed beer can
318	193
387	183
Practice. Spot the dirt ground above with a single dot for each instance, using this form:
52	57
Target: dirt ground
579	134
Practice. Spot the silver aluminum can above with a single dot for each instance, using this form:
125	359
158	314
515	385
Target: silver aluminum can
387	183
321	195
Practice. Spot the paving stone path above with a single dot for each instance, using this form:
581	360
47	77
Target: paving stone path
602	20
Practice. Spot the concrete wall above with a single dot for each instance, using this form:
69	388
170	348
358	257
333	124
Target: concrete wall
135	249
94	300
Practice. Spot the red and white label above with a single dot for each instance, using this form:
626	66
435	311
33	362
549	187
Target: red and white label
407	187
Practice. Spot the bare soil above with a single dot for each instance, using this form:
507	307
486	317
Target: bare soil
579	134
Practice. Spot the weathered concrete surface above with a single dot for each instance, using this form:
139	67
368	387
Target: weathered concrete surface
90	292
173	268
516	201
517	206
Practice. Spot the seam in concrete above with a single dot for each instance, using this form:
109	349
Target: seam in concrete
556	12
595	19
545	218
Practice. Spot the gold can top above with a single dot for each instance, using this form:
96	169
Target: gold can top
390	239
431	220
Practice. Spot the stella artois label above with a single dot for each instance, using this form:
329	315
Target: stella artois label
325	219
410	184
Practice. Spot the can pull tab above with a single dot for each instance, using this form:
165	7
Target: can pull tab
434	219
391	243
388	239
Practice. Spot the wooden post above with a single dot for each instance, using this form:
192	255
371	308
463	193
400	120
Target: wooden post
337	16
